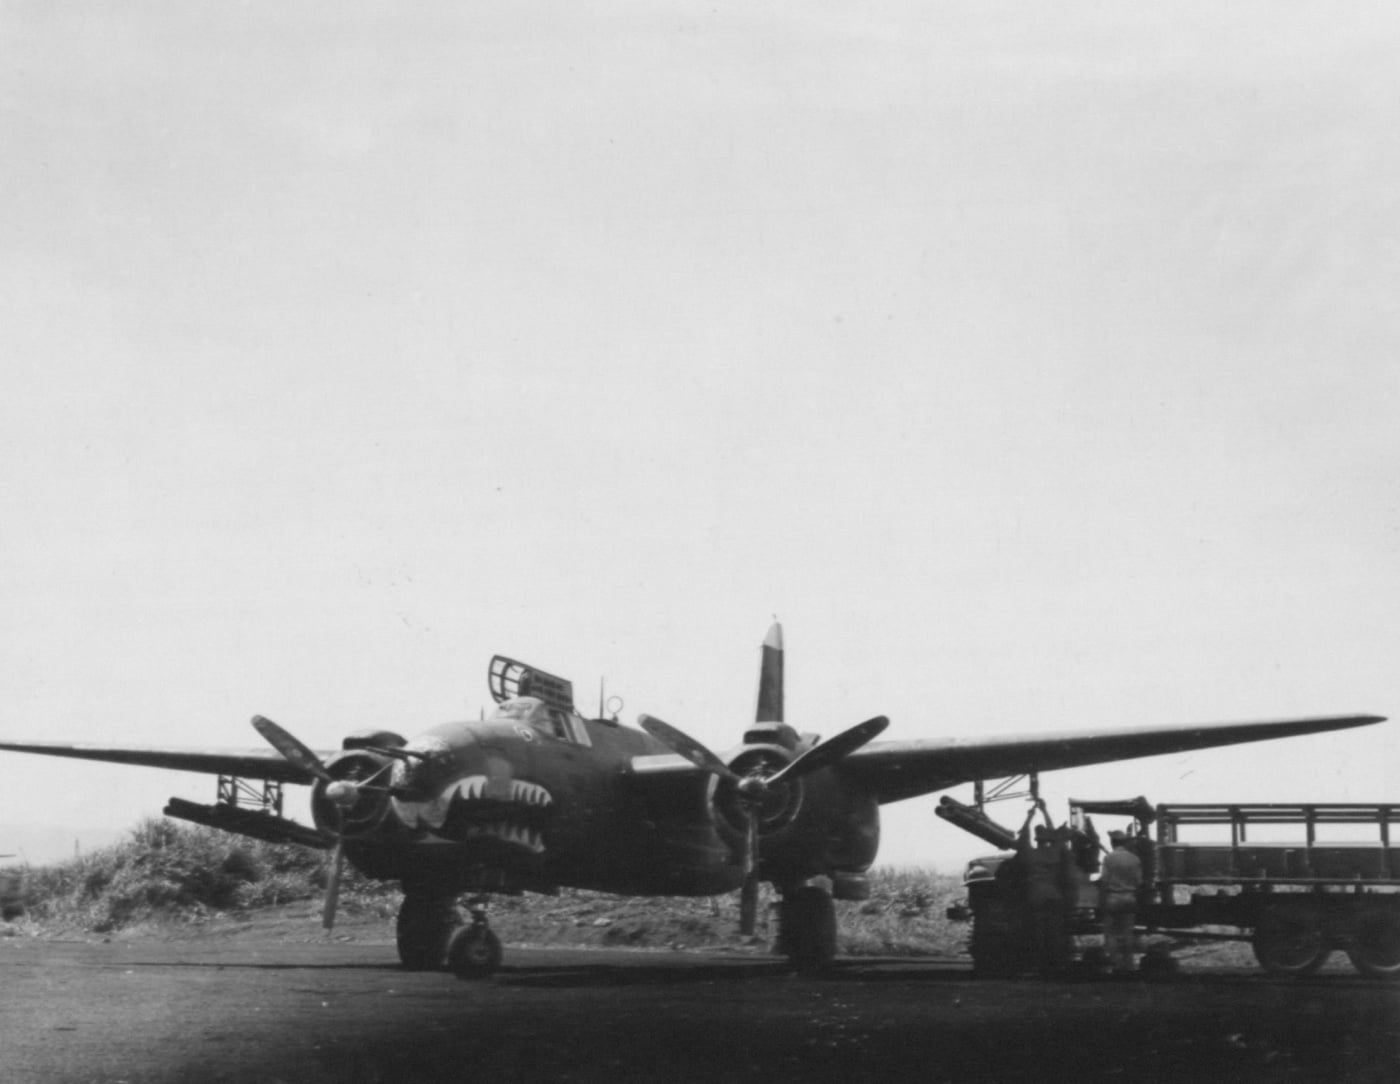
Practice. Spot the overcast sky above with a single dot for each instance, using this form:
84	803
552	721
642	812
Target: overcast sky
1035	363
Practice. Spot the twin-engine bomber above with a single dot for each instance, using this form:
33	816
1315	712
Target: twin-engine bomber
536	797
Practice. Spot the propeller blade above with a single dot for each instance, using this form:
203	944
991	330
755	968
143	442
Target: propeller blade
686	746
751	841
291	748
748	892
333	885
748	907
831	750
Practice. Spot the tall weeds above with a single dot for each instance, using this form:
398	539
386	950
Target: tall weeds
170	872
167	872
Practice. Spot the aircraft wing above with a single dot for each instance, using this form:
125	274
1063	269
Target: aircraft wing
250	763
895	770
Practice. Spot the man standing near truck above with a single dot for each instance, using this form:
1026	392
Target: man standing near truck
1046	877
1118	895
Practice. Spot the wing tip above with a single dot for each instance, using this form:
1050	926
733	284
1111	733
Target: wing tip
1341	722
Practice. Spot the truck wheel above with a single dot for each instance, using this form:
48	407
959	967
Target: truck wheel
1000	943
1375	945
1288	940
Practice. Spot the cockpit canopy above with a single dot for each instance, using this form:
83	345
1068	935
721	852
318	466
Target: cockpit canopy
509	678
551	722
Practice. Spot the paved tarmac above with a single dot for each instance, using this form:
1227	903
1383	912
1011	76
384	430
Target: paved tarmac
302	1013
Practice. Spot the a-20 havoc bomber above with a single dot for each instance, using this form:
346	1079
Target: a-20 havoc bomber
536	797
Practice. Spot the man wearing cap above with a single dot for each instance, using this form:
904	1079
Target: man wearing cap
1046	877
1118	892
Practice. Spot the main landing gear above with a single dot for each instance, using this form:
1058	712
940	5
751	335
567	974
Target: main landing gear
807	927
431	936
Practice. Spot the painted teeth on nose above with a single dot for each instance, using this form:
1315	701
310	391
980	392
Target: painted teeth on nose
533	795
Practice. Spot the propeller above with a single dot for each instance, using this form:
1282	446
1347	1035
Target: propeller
830	751
682	743
342	794
755	786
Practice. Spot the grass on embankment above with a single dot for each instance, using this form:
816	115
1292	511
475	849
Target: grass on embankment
169	874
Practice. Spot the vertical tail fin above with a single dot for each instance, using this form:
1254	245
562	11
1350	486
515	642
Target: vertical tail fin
770	678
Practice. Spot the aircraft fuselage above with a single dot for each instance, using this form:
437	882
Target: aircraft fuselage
536	798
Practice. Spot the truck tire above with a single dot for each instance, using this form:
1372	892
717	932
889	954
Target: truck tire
1375	943
1288	939
1000	934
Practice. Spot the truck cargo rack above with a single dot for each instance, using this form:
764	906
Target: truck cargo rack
1254	863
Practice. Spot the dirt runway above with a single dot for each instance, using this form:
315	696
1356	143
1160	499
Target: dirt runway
343	1012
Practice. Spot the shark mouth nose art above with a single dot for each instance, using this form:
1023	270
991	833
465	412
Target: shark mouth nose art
477	807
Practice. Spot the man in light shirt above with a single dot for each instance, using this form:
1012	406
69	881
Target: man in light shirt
1118	893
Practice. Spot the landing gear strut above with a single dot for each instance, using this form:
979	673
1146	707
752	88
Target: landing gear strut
474	951
807	927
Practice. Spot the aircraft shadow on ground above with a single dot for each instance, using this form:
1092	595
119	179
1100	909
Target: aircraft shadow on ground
623	973
690	971
257	965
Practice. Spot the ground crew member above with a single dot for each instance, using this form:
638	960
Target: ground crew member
1046	877
1118	893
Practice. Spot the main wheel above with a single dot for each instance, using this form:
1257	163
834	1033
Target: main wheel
424	925
474	952
1375	945
807	928
1288	939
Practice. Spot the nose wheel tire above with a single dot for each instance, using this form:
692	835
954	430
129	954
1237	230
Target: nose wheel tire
475	952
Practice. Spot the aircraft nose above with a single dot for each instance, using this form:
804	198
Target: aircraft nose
429	764
433	762
467	788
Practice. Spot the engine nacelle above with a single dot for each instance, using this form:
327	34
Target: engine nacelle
778	806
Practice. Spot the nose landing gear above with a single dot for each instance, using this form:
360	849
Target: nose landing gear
474	951
431	935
